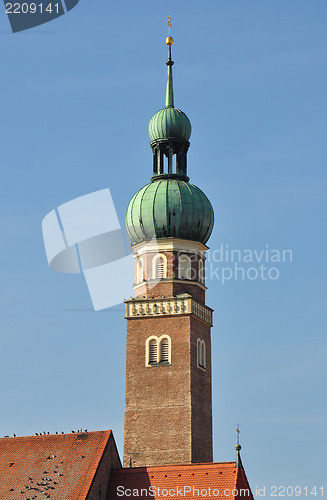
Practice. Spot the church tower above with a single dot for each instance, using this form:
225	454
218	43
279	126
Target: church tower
168	410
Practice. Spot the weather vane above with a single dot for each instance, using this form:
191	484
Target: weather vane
238	434
169	23
169	39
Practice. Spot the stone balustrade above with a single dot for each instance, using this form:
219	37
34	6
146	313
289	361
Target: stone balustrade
167	306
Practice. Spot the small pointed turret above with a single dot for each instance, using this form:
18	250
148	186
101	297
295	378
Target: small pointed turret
238	448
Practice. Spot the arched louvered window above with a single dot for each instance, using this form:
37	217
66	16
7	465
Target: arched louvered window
201	271
184	267
201	353
140	272
164	351
159	267
198	351
153	351
158	350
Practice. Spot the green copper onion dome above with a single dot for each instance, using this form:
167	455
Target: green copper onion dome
169	208
169	123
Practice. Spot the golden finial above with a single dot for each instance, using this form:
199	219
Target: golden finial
169	39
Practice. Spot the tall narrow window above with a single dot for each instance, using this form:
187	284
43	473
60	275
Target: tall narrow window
198	350
174	164
140	272
204	363
201	353
159	267
184	267
164	351
153	351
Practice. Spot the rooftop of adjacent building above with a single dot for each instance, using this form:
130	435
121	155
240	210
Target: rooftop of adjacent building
56	466
65	466
222	479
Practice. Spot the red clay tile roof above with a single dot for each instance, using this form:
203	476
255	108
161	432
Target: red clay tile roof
209	480
59	467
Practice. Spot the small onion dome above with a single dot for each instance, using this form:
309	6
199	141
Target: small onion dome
169	208
170	123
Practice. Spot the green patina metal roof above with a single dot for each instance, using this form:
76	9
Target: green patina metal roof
169	123
169	208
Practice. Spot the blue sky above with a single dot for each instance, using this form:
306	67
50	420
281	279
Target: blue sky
77	96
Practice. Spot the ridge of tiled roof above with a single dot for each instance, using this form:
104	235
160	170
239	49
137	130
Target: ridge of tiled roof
62	466
183	480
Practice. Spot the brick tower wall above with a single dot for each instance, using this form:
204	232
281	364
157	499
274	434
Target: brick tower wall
201	391
168	408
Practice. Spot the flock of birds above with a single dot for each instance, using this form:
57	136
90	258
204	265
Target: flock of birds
46	483
47	433
62	432
44	486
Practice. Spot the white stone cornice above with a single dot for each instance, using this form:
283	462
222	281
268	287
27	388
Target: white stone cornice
154	282
168	245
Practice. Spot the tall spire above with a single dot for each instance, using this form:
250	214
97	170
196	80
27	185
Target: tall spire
169	91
